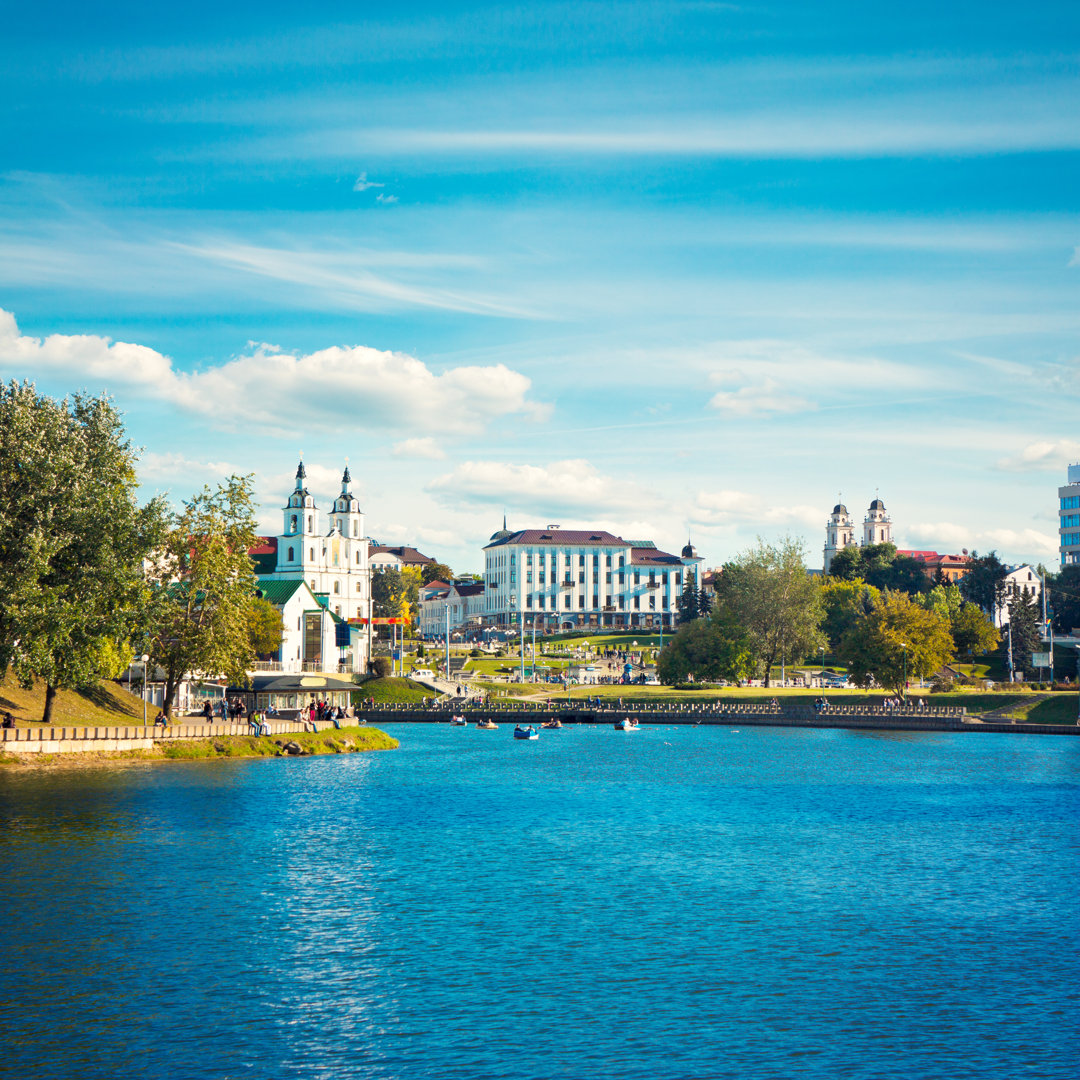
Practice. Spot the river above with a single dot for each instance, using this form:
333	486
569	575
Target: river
673	902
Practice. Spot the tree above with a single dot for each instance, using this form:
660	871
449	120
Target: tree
984	583
1024	633
705	600
903	574
72	540
944	599
387	589
709	649
879	565
436	571
847	564
264	627
843	603
768	592
973	632
897	637
1063	591
688	603
204	589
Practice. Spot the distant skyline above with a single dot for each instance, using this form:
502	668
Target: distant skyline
659	268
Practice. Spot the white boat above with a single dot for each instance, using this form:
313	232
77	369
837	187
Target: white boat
458	721
627	724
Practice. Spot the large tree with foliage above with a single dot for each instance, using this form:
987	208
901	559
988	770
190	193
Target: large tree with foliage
436	571
843	603
204	589
1024	633
709	649
264	627
879	565
896	637
689	603
973	632
1063	590
768	592
72	540
984	582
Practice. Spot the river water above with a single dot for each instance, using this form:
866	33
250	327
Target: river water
691	902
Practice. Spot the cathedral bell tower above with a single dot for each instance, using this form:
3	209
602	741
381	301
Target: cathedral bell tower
346	516
301	516
877	528
839	533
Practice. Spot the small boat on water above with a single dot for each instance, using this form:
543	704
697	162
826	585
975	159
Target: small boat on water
487	725
458	721
627	724
553	723
526	732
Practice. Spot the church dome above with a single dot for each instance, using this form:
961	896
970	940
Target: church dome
502	534
839	508
877	504
688	551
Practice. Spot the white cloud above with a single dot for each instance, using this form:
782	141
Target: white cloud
347	385
363	183
171	466
1012	544
730	507
1043	454
386	199
757	399
425	447
572	485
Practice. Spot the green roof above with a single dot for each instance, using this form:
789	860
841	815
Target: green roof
278	592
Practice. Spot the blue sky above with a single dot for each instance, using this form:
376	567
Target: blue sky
657	267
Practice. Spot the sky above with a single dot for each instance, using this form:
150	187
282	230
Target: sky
664	268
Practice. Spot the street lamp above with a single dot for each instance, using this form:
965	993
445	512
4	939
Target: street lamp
905	648
823	667
145	658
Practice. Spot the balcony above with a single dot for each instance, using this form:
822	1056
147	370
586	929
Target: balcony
566	583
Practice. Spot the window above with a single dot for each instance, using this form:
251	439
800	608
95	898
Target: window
652	603
637	577
358	558
607	577
309	528
1072	502
311	557
528	601
637	603
622	561
622	577
1069	520
540	602
581	601
291	555
678	578
622	603
540	577
356	528
566	600
595	601
337	589
608	562
581	577
528	576
292	523
596	558
581	560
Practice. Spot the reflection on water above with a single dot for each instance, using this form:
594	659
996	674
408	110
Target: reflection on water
677	902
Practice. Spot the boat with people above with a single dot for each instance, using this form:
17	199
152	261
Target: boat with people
554	722
626	724
458	721
528	732
487	725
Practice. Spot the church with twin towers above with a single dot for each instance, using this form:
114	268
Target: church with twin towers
840	529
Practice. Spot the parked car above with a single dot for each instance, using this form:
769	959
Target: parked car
422	673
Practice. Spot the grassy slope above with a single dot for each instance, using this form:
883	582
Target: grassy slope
392	691
106	704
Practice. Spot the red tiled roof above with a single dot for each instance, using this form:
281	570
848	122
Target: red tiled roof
408	555
653	557
265	545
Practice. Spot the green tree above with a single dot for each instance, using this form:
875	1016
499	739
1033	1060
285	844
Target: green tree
688	603
973	632
72	540
387	589
944	599
895	637
264	627
768	592
1025	636
1063	597
902	573
204	589
843	603
709	649
984	583
847	564
436	571
705	600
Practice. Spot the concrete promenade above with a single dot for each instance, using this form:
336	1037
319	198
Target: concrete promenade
74	740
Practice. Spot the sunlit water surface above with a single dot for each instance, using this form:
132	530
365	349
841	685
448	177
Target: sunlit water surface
690	902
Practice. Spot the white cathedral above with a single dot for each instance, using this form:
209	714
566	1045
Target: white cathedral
840	529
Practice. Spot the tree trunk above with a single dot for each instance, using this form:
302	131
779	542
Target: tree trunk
167	695
50	700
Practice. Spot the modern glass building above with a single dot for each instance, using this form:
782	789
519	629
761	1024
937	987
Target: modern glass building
1069	524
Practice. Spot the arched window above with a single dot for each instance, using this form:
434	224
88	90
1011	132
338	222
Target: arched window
359	587
337	587
291	555
292	524
309	529
358	558
311	554
312	584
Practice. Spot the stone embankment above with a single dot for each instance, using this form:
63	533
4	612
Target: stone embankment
800	712
74	740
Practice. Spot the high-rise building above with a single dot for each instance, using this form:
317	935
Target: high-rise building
1069	524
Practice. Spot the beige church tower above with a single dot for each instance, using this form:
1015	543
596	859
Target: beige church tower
839	533
877	526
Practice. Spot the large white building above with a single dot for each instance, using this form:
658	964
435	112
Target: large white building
1069	520
1018	580
565	579
331	559
840	530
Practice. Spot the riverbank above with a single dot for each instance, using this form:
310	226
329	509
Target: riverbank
292	744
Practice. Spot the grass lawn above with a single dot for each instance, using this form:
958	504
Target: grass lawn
106	704
392	691
1061	708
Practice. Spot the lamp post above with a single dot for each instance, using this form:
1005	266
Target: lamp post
822	667
521	627
904	646
534	651
145	658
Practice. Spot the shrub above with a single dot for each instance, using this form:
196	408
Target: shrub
475	653
420	650
381	667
